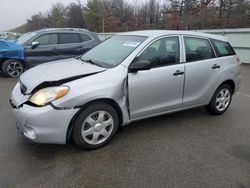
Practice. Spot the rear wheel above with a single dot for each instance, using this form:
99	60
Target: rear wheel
12	68
221	100
95	126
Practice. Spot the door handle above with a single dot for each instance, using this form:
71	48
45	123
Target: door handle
215	66
178	72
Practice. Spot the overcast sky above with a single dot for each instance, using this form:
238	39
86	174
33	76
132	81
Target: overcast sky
14	13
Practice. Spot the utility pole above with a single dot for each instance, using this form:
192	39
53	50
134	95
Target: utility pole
103	25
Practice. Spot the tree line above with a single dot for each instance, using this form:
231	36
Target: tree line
122	15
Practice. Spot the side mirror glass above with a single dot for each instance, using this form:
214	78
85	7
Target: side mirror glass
34	44
140	65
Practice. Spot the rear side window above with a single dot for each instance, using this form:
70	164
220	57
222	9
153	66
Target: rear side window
197	49
223	48
68	38
47	39
85	38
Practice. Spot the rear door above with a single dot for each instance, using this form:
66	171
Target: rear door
225	52
73	44
44	52
159	89
87	43
202	71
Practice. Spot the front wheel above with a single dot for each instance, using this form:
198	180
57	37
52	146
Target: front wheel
95	126
221	100
12	68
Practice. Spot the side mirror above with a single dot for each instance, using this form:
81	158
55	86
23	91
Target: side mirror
34	44
140	65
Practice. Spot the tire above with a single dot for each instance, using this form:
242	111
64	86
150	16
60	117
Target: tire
221	100
95	126
12	68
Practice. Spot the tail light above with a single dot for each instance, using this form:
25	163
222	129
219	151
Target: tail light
238	59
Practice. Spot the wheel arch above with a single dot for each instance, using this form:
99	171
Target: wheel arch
230	83
5	59
1	62
108	101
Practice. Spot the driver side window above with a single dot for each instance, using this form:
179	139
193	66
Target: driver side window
47	39
163	52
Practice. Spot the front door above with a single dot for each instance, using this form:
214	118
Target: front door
159	89
46	50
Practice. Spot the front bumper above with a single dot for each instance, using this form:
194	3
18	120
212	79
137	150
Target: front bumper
43	124
40	124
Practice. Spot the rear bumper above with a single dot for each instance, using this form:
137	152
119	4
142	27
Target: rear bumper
237	82
43	124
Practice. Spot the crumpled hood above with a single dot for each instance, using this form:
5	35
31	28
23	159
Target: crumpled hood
10	49
56	71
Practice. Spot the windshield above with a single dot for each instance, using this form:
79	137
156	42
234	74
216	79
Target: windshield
24	38
113	51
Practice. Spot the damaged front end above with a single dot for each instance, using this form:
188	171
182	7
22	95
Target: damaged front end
48	121
23	97
54	74
43	123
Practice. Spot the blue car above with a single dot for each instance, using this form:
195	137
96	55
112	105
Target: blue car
11	58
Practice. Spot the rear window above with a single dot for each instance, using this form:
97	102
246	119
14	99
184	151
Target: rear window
68	38
197	49
223	48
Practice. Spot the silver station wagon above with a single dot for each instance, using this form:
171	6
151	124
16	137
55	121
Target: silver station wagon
131	76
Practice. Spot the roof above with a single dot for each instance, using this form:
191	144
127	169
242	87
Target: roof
158	33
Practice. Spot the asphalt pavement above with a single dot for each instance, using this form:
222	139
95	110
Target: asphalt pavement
187	149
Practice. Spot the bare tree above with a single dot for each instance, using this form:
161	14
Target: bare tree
120	15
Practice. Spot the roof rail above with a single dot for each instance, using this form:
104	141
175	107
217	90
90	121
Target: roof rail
65	29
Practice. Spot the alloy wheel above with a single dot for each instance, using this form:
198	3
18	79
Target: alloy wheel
15	69
223	99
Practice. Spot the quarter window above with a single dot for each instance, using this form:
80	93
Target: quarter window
162	52
85	38
223	48
47	39
197	49
68	38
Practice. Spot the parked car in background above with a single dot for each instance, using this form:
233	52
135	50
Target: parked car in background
48	45
11	58
131	76
10	36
